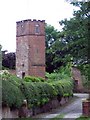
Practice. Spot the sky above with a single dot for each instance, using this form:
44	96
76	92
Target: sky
11	11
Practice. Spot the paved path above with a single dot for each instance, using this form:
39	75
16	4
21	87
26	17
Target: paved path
72	110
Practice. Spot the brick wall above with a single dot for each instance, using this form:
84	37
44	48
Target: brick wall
30	50
77	80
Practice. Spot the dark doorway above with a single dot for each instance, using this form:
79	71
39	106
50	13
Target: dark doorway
23	74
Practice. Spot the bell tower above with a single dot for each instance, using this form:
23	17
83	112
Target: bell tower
30	48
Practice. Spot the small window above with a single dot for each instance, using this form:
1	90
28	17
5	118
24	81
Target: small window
37	28
22	65
22	27
37	50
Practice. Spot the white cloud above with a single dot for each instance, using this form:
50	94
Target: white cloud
13	10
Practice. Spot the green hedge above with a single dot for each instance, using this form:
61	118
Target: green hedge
15	90
41	92
11	94
37	93
33	79
63	88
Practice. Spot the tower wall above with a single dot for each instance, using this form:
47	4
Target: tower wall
30	50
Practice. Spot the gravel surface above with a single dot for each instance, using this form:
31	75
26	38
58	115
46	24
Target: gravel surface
72	110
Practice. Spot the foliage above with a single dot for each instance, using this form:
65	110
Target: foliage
61	80
8	60
59	116
37	93
11	94
71	44
63	88
5	75
64	73
83	118
52	35
33	79
41	92
75	33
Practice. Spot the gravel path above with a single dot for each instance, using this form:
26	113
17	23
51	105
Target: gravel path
72	110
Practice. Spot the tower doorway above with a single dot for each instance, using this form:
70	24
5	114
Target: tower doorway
23	74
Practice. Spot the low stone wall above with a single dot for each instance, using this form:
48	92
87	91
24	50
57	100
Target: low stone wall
52	104
12	71
7	113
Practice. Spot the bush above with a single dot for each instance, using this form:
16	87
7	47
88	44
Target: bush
11	94
62	81
62	74
29	91
37	93
63	88
33	79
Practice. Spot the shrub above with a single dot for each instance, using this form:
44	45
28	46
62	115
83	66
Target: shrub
5	75
57	86
11	94
15	80
63	87
61	80
33	79
47	90
57	77
30	92
38	93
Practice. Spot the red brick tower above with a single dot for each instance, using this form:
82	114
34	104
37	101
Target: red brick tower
30	48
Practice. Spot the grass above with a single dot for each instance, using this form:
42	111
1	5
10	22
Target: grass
83	118
60	116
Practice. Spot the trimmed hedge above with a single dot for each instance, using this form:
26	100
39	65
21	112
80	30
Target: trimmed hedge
40	93
11	94
37	93
33	79
63	88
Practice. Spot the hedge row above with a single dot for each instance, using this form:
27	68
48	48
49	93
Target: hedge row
15	90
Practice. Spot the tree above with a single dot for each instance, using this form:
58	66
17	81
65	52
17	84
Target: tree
75	33
52	38
76	36
56	53
8	60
